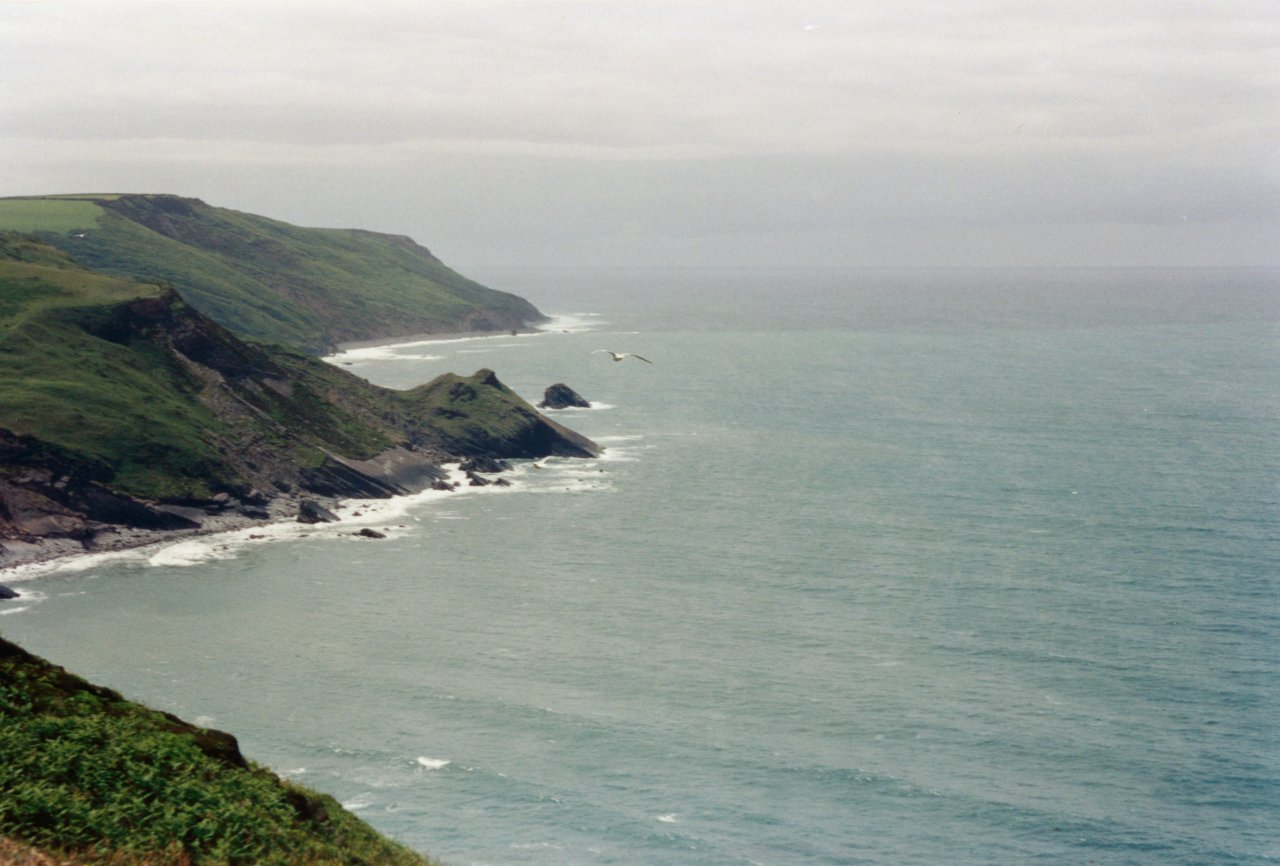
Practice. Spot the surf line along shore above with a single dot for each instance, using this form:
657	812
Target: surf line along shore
349	493
222	534
51	532
35	529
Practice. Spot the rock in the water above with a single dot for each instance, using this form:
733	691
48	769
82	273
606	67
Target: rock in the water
441	485
310	511
370	533
485	463
478	480
561	396
5	592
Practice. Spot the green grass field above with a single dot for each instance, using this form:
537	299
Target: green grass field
61	215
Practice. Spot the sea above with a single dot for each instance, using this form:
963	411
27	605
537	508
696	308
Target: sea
878	567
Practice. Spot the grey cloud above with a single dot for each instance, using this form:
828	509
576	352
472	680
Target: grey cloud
519	124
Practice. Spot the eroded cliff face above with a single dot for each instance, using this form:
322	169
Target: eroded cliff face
218	427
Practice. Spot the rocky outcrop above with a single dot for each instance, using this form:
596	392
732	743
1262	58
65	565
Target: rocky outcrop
6	593
478	415
485	463
46	494
561	396
310	511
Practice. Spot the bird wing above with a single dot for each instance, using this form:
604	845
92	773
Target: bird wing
637	357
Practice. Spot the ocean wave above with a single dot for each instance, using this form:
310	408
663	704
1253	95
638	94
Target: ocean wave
573	323
595	406
387	352
193	552
433	763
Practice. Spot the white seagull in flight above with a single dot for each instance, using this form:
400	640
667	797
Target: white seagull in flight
618	356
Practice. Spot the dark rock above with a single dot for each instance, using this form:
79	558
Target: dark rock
478	480
255	497
442	485
501	482
256	513
561	396
310	511
5	592
370	533
102	505
485	463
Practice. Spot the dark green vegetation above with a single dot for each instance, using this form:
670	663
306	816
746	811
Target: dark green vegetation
84	772
109	386
305	287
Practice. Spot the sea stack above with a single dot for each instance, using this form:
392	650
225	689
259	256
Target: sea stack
561	396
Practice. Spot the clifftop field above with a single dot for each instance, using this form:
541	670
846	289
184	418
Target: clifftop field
269	280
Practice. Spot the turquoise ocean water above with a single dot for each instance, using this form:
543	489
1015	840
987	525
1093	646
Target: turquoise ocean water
882	567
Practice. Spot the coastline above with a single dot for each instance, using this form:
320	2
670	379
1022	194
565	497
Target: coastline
223	533
352	515
437	337
22	560
555	323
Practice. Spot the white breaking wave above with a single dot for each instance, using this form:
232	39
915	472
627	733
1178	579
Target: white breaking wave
595	405
573	323
187	553
388	516
384	352
433	763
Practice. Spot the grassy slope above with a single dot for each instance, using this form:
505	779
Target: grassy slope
123	375
83	771
95	398
267	279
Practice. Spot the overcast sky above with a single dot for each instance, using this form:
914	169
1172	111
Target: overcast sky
879	132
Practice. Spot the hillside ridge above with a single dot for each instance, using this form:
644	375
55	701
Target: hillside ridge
311	288
123	409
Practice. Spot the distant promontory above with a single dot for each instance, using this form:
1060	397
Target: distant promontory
158	371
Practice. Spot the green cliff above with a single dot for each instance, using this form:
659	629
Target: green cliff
88	776
262	278
121	405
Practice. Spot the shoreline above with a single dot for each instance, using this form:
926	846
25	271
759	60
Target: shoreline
22	560
555	323
385	515
439	337
20	556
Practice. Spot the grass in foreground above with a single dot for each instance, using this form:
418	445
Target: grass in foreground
88	776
